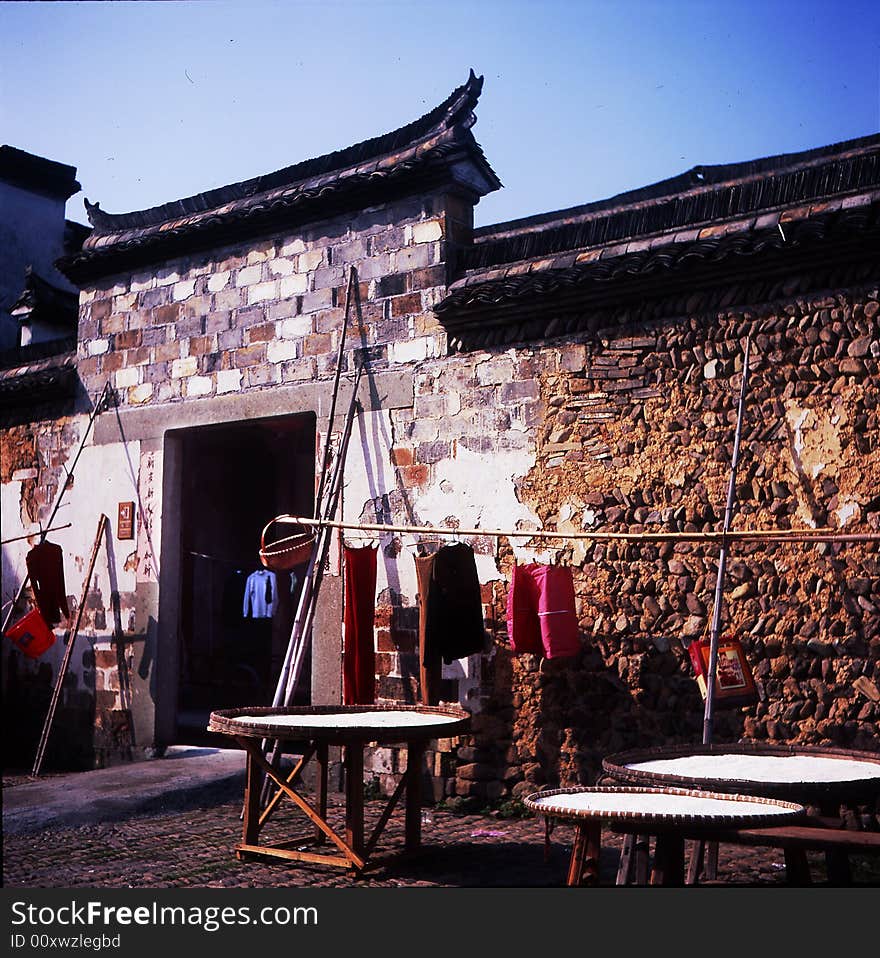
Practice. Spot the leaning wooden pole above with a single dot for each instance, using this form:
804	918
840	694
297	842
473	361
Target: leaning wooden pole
708	714
71	641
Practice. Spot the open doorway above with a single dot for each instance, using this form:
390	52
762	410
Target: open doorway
235	617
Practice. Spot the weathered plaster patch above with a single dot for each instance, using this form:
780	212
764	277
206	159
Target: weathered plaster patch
815	444
847	510
480	492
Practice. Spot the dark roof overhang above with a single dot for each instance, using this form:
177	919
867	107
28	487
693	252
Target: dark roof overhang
436	150
39	374
574	292
43	302
37	174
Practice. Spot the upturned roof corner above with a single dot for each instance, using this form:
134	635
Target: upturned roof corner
434	150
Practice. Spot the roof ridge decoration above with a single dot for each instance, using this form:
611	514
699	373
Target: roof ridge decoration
456	111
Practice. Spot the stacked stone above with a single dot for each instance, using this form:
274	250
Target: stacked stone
638	436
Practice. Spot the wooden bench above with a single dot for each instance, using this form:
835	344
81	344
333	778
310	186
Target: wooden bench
813	833
819	834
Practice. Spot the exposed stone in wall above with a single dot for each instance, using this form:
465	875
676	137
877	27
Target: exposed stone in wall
36	455
638	435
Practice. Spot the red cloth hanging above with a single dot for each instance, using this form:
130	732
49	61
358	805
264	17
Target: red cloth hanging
46	570
359	656
541	615
430	660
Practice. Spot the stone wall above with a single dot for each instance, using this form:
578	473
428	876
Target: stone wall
637	434
626	427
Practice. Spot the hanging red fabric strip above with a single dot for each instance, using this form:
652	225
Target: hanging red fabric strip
430	661
359	656
541	615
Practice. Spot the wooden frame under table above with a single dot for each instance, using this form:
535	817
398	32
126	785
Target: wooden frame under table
823	800
671	814
352	728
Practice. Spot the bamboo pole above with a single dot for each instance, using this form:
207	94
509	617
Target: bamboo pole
709	712
314	571
809	536
41	532
71	641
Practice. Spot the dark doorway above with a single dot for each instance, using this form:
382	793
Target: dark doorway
235	617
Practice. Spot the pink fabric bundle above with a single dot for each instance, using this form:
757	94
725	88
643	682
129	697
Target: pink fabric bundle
541	616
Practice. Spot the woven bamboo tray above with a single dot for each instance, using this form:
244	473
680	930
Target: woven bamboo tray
365	723
864	788
659	807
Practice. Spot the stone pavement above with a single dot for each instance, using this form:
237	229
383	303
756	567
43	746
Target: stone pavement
173	823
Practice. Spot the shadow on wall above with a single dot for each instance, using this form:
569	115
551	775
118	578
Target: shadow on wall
550	722
27	693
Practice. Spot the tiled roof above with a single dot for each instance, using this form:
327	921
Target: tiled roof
775	205
41	301
414	156
37	377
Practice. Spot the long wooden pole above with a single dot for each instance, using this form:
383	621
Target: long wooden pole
808	536
325	506
708	713
313	573
71	641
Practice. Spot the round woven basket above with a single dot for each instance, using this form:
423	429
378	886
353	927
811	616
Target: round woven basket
282	555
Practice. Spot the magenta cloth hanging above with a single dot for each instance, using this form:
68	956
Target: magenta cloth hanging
541	615
359	656
46	569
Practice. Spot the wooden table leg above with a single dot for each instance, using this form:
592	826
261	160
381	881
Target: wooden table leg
711	861
583	867
624	866
641	859
415	757
354	796
322	759
252	801
695	865
797	868
578	851
668	860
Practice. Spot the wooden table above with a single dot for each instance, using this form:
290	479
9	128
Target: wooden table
668	813
352	728
820	778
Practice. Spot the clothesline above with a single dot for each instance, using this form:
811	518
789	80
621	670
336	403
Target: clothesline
767	535
39	532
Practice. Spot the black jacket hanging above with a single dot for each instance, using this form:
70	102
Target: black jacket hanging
454	615
45	567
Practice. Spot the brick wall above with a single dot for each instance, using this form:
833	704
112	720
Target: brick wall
270	313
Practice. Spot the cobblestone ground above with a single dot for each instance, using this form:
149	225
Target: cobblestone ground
190	845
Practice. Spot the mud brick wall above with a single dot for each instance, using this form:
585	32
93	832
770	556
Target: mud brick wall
637	433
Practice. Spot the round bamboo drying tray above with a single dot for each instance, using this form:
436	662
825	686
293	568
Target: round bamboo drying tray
831	786
341	723
659	807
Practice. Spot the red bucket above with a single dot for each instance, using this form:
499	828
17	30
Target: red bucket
31	635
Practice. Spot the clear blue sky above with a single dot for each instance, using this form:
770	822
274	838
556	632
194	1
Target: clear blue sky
152	101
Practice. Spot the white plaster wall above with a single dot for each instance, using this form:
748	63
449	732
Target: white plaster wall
103	478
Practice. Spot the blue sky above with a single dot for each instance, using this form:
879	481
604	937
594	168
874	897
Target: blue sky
583	99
